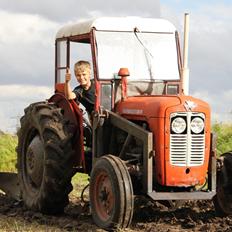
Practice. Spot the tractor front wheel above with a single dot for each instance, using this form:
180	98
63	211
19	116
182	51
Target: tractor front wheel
111	193
45	158
223	198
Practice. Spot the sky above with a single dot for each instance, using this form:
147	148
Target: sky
28	28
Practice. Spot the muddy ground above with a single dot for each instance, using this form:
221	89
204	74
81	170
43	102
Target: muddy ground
148	216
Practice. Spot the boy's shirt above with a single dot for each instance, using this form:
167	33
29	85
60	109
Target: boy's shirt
86	97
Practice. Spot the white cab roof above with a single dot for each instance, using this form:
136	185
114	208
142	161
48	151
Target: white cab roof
117	24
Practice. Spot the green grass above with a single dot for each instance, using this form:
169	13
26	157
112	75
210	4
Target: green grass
81	179
224	137
8	158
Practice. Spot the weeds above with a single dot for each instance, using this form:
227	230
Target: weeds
8	145
224	137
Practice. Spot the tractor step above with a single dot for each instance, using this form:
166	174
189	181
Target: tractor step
9	184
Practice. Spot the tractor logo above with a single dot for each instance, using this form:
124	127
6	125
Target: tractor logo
190	105
132	111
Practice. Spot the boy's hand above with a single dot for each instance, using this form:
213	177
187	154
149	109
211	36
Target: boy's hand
67	75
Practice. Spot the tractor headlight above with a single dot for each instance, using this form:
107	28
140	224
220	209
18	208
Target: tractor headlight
197	125
178	125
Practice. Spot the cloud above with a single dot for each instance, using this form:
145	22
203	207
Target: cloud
220	113
13	100
21	92
228	96
25	28
210	58
27	49
65	10
28	30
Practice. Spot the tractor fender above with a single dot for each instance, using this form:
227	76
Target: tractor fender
73	114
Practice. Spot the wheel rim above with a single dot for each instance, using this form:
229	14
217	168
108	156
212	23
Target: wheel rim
33	163
104	197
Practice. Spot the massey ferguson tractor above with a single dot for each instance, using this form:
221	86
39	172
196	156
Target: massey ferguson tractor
146	136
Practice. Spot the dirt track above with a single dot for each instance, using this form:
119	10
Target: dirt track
148	217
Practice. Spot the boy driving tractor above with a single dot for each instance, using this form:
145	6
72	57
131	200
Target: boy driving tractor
85	92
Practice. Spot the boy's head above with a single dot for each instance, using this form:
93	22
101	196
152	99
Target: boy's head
82	72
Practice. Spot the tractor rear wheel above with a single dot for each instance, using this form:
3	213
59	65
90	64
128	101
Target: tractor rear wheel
223	198
111	193
45	158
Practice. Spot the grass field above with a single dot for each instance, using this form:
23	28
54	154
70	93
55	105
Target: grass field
8	145
224	137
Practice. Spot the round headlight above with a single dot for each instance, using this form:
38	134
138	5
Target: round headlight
178	125
197	125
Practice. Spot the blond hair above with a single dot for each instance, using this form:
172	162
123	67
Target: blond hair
82	65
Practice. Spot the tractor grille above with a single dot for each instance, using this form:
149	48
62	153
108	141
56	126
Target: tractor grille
187	149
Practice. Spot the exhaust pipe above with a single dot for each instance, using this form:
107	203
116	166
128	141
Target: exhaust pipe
185	69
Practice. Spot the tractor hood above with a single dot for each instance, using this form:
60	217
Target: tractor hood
144	107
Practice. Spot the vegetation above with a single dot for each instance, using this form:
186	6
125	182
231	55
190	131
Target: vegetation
224	137
8	145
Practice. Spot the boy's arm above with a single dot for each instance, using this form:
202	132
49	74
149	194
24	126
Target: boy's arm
69	94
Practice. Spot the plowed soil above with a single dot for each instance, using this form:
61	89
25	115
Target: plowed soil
148	216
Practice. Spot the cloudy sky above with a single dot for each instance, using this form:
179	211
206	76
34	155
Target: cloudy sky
28	28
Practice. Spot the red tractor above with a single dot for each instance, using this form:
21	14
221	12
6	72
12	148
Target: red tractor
147	136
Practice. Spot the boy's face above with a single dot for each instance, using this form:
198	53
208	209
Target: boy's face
83	77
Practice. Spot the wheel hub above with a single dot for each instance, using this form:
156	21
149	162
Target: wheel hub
34	161
104	194
105	202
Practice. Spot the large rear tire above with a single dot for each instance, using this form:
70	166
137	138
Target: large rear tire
223	199
111	193
45	157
